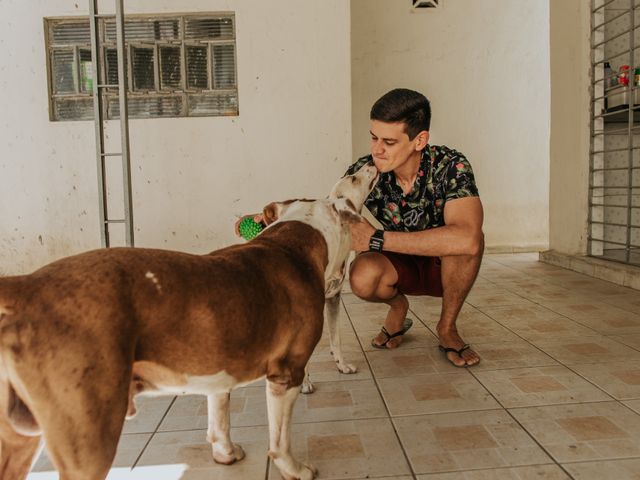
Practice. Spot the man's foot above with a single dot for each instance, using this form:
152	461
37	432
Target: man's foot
456	351
395	322
391	340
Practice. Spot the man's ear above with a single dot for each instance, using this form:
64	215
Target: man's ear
422	139
272	212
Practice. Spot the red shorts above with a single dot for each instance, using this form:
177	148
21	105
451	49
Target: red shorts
417	275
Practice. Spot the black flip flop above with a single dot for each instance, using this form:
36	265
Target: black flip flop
446	350
408	323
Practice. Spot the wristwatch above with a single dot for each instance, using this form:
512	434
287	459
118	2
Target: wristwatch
376	241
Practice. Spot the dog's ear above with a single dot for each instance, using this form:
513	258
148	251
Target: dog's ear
271	212
347	211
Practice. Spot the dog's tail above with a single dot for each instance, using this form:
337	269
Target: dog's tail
11	339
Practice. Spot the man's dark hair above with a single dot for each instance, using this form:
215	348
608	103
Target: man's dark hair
406	106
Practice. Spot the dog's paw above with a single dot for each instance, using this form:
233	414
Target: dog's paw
305	472
347	368
307	387
225	457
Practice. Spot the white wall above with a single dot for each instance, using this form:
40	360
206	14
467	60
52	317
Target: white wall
484	65
191	177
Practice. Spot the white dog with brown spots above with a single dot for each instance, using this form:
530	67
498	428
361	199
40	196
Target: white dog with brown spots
80	337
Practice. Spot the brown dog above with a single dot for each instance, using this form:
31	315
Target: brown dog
80	337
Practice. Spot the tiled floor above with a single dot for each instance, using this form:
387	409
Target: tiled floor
557	394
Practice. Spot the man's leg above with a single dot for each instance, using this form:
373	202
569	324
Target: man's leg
458	274
373	278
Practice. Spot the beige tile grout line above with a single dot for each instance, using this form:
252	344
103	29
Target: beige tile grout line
470	370
502	407
155	430
375	382
555	359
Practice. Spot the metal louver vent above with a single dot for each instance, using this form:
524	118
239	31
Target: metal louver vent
73	108
143	67
66	33
208	28
63	66
218	104
197	72
182	65
147	106
145	30
224	66
170	68
111	65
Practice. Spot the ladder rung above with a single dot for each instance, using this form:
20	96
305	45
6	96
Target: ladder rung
114	221
104	15
108	86
110	154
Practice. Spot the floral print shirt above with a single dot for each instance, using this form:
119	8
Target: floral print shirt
444	175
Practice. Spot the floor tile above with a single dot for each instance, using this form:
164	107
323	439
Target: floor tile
322	367
129	448
429	308
348	339
435	393
189	412
510	355
588	431
522	387
497	298
628	301
540	291
632	341
402	362
538	472
367	316
619	379
350	298
466	441
587	350
599	316
340	401
536	322
150	411
476	327
418	337
348	449
633	405
191	448
612	469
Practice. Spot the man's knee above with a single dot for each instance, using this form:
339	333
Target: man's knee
364	276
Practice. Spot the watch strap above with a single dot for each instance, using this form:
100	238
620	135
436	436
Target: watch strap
376	242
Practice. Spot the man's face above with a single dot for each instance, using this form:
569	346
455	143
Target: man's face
390	145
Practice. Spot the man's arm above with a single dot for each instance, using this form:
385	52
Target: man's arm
461	234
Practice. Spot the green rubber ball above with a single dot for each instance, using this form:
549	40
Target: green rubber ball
249	229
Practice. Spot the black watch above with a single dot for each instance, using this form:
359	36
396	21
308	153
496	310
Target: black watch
376	241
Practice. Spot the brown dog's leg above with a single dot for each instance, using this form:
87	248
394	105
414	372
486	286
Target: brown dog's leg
280	402
82	430
79	397
224	451
17	452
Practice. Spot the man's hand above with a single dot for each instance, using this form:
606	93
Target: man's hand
257	217
360	235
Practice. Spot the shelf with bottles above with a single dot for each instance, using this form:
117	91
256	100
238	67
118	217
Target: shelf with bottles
621	90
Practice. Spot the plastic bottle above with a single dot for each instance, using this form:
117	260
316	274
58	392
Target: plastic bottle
610	79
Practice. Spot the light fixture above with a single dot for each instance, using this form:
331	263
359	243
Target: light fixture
425	3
